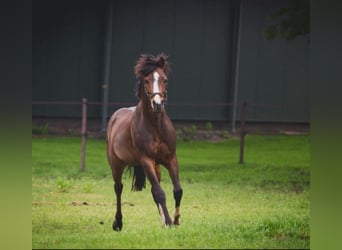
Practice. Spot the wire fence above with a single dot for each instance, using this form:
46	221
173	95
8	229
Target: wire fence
85	103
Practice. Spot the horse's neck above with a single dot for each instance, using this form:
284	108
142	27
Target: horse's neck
153	120
157	125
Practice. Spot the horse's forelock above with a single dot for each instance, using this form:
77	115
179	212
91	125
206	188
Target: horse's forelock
145	65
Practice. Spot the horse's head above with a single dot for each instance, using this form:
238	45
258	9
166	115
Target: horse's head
155	86
152	80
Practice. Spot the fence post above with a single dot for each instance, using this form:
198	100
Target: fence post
242	131
84	133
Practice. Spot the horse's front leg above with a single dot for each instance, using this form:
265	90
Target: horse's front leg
117	224
117	171
177	189
157	192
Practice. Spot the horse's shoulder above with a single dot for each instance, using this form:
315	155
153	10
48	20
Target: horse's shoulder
132	108
123	112
121	118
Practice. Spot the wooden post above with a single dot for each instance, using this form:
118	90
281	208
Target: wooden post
84	133
242	131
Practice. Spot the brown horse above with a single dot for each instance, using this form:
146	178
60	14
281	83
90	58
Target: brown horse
144	137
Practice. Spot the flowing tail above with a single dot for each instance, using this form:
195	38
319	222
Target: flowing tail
139	179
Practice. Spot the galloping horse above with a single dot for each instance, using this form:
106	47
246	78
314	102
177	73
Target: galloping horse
144	137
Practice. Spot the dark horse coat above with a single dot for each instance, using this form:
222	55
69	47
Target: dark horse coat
144	137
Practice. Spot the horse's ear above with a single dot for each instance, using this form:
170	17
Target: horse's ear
162	63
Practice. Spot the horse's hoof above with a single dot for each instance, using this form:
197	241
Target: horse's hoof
166	226
176	220
117	225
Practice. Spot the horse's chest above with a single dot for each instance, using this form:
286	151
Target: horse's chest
162	153
158	149
154	146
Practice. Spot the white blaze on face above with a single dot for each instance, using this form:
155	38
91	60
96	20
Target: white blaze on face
156	98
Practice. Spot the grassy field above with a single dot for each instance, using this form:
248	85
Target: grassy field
264	203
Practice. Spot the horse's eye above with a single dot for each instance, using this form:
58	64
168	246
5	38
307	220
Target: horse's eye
165	81
146	81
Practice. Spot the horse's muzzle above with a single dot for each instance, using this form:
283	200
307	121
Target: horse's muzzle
158	107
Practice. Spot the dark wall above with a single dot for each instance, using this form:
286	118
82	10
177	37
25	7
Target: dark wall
67	54
273	76
68	51
198	35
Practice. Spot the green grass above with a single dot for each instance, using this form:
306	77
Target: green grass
263	203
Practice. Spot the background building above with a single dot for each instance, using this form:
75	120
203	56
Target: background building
216	47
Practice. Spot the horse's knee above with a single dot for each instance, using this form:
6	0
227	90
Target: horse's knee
158	196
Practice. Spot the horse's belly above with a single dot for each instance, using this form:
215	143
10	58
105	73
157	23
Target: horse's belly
123	149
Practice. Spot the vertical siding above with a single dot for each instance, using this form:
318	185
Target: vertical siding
68	43
273	74
204	58
196	35
296	92
67	47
